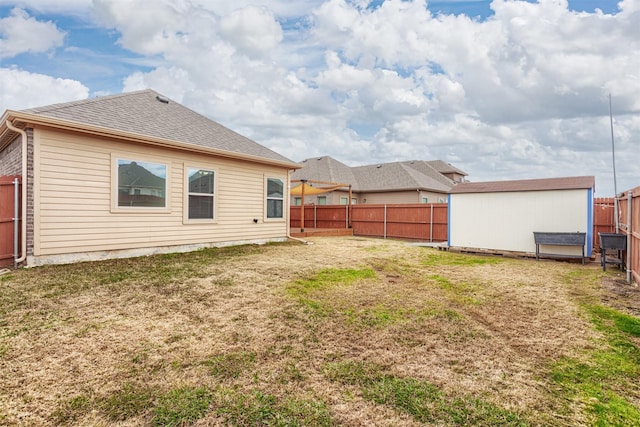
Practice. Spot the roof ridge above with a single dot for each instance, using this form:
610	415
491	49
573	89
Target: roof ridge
62	105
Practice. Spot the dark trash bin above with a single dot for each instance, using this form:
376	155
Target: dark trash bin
616	244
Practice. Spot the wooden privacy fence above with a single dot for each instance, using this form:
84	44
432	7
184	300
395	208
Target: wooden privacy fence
603	218
9	187
425	222
629	220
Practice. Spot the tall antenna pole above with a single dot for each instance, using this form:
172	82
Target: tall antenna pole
613	154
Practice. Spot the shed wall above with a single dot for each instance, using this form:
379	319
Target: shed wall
506	220
74	186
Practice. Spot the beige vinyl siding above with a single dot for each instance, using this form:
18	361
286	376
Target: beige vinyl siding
75	186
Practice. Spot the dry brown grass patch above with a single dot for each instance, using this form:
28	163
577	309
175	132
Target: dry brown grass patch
74	337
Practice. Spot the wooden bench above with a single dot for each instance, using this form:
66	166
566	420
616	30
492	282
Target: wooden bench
559	239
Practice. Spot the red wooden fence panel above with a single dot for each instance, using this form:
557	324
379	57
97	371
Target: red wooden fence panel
7	213
629	203
319	216
603	218
403	221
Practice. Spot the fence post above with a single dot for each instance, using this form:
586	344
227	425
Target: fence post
315	216
346	216
431	225
629	233
385	222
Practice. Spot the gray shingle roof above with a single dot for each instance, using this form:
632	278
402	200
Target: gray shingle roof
567	183
144	114
325	169
444	167
396	176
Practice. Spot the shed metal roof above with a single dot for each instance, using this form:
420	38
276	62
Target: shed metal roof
544	184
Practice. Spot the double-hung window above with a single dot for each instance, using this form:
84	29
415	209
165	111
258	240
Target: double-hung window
201	195
275	198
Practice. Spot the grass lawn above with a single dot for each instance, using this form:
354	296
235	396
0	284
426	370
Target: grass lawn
343	332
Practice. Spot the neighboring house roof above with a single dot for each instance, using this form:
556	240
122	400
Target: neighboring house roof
395	176
326	169
545	184
134	175
400	176
147	114
444	167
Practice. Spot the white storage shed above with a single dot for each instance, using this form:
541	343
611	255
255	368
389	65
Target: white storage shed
501	216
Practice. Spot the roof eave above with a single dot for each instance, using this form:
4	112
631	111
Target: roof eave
389	190
35	119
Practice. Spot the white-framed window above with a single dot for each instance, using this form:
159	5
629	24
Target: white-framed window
200	193
344	200
354	200
425	199
140	184
322	200
297	201
275	198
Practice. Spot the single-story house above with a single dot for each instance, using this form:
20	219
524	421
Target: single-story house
136	174
501	216
413	181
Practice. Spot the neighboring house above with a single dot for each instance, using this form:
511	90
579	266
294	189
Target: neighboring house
501	216
413	181
135	174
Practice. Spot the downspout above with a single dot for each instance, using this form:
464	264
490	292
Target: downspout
24	191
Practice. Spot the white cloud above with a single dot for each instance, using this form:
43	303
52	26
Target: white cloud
72	7
21	33
156	26
522	94
20	89
253	30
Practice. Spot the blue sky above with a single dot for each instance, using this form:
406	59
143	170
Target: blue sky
503	89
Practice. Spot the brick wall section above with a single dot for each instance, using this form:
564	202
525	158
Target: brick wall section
11	158
11	164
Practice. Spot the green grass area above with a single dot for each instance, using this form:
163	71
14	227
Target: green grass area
130	401
184	406
257	408
458	291
607	379
422	400
379	315
308	291
181	406
433	258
